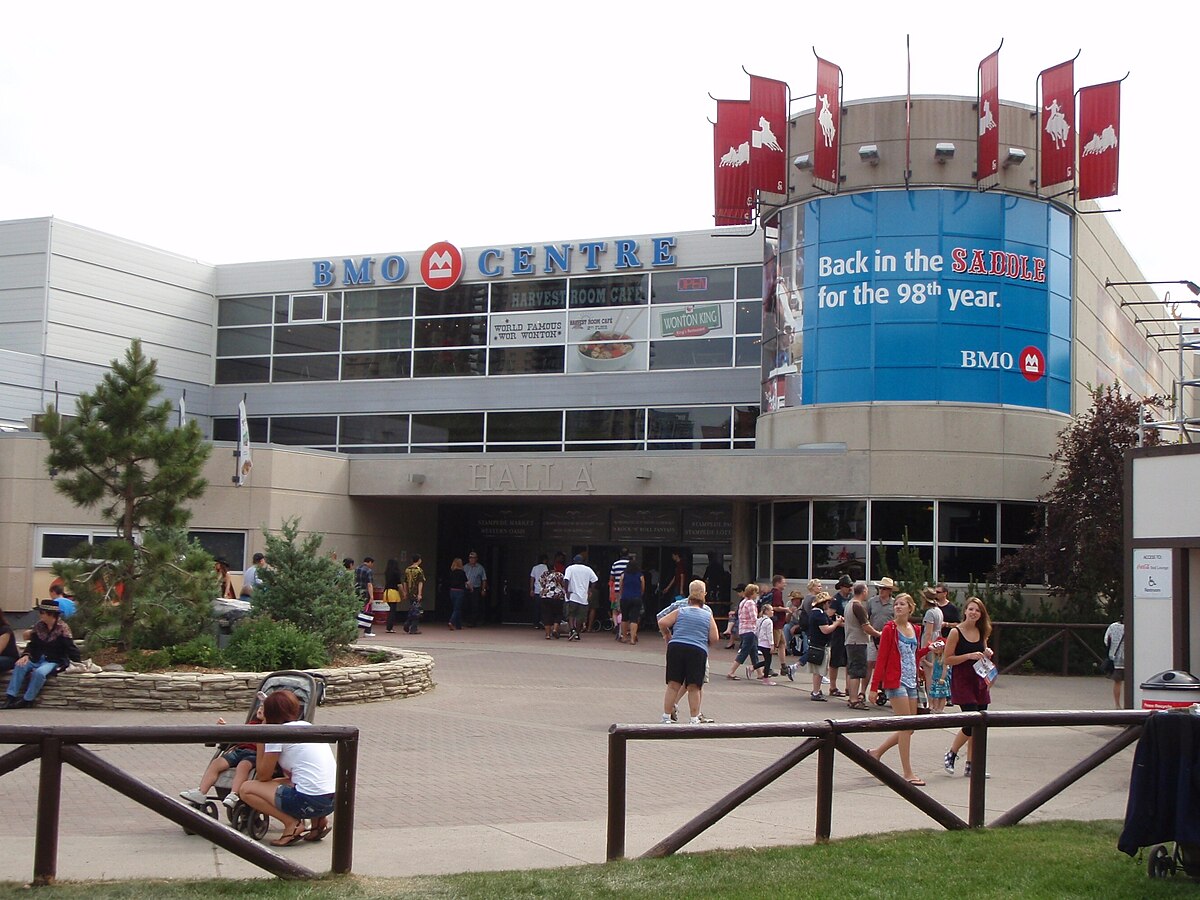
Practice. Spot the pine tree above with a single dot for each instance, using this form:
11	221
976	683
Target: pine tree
1079	549
119	453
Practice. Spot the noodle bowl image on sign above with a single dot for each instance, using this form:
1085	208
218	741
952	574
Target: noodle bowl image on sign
606	351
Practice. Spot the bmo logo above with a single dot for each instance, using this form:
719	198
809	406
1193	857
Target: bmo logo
1031	361
441	266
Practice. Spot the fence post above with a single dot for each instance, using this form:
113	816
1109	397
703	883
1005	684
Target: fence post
617	747
825	789
45	848
977	802
343	807
1066	636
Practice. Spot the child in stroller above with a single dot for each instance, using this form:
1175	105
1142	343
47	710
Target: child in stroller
233	764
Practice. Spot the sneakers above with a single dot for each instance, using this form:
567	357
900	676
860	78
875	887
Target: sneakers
695	720
555	634
705	720
948	761
195	795
667	719
767	681
791	672
574	636
675	714
824	679
231	799
967	771
818	696
368	634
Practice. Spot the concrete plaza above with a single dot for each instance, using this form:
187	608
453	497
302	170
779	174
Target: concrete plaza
503	766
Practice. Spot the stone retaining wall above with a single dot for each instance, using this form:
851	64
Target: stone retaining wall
405	674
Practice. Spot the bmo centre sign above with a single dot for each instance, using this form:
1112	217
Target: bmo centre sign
930	295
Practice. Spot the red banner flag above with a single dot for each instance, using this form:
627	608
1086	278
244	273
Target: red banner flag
1099	129
827	124
1058	124
987	158
734	199
768	134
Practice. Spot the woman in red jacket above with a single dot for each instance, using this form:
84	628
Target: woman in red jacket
896	672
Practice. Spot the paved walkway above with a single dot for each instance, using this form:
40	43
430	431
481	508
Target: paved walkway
503	766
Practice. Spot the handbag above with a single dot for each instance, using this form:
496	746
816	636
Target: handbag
816	654
365	620
1109	665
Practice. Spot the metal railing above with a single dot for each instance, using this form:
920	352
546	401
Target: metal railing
828	737
54	745
1063	631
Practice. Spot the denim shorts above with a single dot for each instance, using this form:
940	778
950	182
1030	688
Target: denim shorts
302	806
238	755
902	691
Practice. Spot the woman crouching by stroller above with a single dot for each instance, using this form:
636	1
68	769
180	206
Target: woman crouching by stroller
310	774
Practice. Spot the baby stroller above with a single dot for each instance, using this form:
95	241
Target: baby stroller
310	691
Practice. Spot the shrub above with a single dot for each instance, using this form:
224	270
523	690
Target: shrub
307	588
378	656
199	651
263	645
147	660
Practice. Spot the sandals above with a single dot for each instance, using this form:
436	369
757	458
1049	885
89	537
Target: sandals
858	704
916	782
320	828
836	693
288	838
734	677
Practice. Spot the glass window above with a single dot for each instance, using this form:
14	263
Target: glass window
227	429
333	307
749	282
791	561
243	341
832	561
764	522
744	419
747	352
60	546
303	431
748	317
764	561
460	331
231	545
308	338
437	363
244	311
605	447
447	448
364	451
283	304
1018	522
462	298
692	285
891	518
703	353
444	428
526	360
689	423
376	365
605	424
308	307
840	520
514	296
305	368
377	335
391	429
524	426
607	290
966	523
385	303
791	521
963	564
244	371
891	553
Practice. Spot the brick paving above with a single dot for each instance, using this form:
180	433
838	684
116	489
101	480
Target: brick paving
503	765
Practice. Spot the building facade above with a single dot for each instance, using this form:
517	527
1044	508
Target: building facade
890	363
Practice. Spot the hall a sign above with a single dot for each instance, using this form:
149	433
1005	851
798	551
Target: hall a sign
442	264
530	478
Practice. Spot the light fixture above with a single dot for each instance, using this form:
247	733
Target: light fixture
643	474
1190	285
803	161
1015	157
416	478
869	153
943	151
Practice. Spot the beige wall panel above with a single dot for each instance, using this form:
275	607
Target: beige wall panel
120	255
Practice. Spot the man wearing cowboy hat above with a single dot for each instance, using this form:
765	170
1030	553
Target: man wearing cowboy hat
50	649
879	611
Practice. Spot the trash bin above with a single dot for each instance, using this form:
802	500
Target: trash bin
1172	689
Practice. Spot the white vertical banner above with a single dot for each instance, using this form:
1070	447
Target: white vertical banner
183	410
1153	618
244	464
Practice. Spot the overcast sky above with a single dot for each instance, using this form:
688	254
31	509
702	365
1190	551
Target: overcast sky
250	131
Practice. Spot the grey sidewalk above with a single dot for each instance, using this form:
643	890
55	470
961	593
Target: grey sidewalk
503	766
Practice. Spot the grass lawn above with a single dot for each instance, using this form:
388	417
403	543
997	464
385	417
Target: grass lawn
1054	859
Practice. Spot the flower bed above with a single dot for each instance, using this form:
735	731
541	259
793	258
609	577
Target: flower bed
406	673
